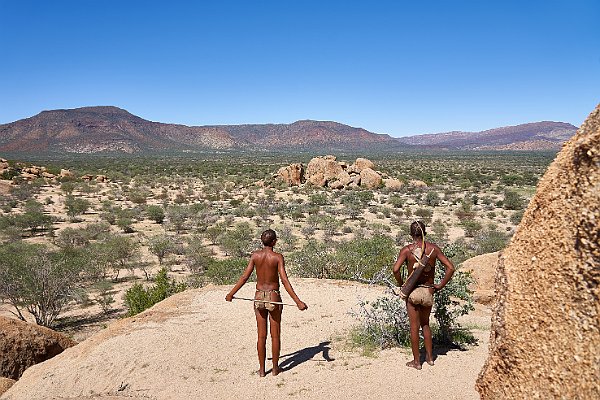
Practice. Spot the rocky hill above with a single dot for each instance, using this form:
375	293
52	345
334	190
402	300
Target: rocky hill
111	129
544	135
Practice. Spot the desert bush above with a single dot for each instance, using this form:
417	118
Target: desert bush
314	260
512	201
432	199
71	237
383	323
155	213
138	298
286	239
33	218
471	227
490	240
362	258
424	214
238	241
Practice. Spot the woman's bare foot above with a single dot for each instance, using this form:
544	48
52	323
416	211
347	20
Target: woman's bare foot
429	360
275	371
261	373
413	364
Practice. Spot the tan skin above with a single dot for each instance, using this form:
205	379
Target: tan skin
418	315
270	268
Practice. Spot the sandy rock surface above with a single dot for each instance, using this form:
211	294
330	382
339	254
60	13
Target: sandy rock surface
196	345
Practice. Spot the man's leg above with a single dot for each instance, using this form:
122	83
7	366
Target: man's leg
261	344
413	317
275	322
424	321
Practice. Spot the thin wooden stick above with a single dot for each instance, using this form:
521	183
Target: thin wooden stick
265	301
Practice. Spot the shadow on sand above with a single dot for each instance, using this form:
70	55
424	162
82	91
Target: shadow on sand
292	360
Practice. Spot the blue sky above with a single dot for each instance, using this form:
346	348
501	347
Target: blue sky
393	67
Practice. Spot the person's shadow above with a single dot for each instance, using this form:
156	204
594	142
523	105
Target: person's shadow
298	357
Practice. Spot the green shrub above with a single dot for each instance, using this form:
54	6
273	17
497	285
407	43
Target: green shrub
138	298
225	272
455	300
512	201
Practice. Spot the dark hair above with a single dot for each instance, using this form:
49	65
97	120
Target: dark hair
417	229
268	237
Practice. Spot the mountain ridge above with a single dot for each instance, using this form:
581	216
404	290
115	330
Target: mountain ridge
98	129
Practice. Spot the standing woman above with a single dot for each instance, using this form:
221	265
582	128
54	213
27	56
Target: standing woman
421	254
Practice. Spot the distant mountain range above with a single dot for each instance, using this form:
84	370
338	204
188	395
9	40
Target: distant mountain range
543	135
111	129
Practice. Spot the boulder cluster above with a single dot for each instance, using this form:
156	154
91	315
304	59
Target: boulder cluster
32	172
326	171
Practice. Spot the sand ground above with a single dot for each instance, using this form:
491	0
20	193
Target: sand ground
195	345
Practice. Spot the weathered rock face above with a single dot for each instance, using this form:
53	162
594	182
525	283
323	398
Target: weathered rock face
292	175
392	184
65	173
369	178
417	183
23	344
324	165
317	179
362	163
545	340
5	384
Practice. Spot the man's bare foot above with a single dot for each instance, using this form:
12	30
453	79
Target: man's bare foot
413	364
261	373
275	371
429	360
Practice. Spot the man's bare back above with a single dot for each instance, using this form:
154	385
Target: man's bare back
270	268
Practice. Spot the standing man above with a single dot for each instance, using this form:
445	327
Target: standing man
420	300
270	268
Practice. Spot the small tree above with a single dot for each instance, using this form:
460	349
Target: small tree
161	246
197	255
76	206
37	280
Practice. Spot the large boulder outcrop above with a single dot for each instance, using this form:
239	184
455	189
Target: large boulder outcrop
369	178
545	339
23	344
292	175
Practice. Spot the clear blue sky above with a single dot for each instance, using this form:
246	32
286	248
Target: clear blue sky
393	67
